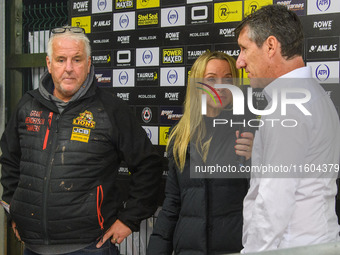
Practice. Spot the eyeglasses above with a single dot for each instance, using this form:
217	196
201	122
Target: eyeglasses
60	30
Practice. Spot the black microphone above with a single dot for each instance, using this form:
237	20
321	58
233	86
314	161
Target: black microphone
242	159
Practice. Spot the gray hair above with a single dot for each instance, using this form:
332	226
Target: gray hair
278	21
70	35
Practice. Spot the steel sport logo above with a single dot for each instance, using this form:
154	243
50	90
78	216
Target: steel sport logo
204	99
323	5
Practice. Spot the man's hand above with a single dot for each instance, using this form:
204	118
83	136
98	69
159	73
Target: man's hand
244	144
118	231
14	227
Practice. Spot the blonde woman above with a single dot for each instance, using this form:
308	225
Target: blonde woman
203	215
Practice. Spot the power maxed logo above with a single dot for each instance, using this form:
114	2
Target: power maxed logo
122	4
173	56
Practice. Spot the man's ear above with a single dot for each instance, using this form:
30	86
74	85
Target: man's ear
48	62
272	45
89	64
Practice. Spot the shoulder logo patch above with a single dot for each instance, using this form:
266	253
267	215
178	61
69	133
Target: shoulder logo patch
85	119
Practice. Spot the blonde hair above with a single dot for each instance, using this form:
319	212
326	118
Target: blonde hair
191	127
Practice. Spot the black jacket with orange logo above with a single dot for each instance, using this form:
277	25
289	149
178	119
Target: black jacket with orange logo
59	170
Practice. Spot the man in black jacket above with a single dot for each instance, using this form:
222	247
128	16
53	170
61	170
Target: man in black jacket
61	152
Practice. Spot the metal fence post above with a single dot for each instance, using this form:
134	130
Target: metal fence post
2	112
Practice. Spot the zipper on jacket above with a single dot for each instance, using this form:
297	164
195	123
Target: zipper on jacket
47	180
50	116
100	198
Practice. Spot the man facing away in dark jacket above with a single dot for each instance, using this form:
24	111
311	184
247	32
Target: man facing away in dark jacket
61	152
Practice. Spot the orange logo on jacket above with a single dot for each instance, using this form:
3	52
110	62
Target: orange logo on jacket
85	119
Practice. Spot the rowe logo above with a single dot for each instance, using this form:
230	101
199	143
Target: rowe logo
238	99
